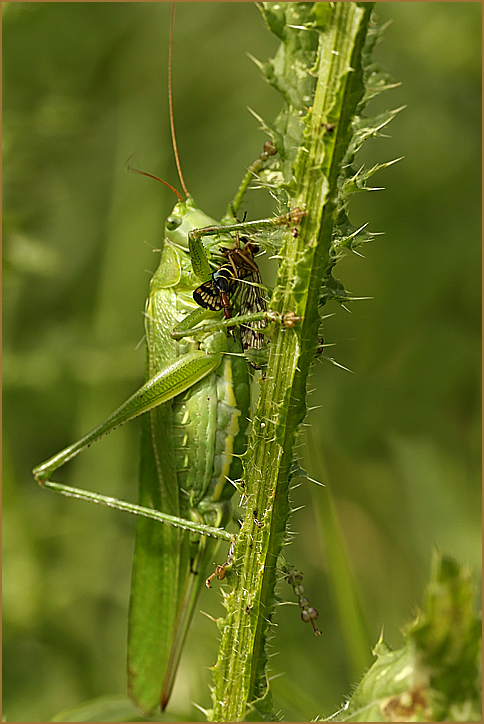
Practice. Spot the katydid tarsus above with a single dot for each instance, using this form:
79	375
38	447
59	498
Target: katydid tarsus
196	405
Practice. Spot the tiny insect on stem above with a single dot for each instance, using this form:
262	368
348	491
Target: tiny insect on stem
308	614
221	570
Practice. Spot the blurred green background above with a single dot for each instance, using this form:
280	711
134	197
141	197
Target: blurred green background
85	88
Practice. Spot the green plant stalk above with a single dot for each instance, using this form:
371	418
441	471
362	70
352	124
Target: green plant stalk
240	680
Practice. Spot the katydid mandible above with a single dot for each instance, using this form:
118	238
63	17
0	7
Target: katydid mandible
196	403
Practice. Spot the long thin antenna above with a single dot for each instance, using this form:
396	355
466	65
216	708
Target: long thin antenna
170	99
150	175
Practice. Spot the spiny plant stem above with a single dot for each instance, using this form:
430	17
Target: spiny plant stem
310	183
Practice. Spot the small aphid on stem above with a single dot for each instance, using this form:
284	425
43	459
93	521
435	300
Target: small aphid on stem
308	613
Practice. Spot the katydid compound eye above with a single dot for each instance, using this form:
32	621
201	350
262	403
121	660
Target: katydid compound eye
173	222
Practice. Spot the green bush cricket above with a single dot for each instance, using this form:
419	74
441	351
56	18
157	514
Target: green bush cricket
197	403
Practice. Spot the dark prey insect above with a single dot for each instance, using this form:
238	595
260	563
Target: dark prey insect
238	280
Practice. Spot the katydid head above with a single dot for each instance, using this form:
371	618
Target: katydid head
184	218
185	215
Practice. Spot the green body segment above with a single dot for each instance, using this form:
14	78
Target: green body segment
189	450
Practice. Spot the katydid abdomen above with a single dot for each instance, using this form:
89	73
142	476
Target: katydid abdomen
189	455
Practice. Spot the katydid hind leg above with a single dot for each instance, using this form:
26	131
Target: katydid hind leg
170	381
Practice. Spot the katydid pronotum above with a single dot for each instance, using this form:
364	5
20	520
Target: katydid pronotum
196	401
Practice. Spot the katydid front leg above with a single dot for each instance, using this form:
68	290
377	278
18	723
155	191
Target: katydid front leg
199	261
164	386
